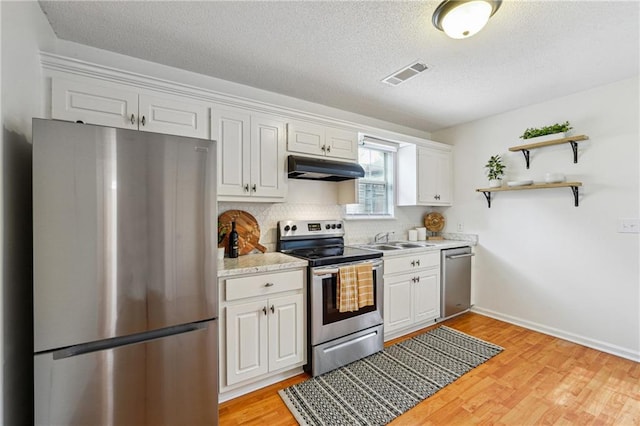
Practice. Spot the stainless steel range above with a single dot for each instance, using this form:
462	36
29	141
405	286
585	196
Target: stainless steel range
334	338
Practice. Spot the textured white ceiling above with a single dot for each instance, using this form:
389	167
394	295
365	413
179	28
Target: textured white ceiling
336	52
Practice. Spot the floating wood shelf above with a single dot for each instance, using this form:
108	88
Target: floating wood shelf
573	140
573	185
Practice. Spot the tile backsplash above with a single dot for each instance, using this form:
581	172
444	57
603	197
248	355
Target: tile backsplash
356	231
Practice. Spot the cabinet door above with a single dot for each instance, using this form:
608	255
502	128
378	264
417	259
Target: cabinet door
230	128
426	296
268	158
306	138
398	306
434	177
246	349
173	115
341	143
105	104
286	331
445	180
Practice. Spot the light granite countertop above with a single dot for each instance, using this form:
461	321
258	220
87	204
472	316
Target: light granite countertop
430	245
258	263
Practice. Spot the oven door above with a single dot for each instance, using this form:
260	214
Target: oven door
327	323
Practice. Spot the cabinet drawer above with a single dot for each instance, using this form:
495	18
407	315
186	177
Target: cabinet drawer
411	262
259	285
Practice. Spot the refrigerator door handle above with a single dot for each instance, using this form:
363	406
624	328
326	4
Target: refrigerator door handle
85	348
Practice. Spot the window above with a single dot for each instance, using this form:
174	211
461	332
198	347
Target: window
375	189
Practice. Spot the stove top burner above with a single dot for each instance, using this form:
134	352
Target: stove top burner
322	256
320	242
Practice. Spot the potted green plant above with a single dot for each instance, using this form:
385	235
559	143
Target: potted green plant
495	170
554	131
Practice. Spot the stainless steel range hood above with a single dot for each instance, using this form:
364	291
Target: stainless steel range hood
321	169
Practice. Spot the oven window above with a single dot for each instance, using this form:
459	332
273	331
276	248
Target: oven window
330	313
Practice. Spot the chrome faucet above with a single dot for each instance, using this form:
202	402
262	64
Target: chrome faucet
379	236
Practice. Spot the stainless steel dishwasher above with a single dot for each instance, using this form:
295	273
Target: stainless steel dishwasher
456	281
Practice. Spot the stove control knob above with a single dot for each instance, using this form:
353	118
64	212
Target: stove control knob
328	226
294	228
286	228
333	226
339	226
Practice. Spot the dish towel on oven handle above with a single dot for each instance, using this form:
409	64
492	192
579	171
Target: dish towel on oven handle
365	284
355	287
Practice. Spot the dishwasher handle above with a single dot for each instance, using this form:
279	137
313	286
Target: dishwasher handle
458	256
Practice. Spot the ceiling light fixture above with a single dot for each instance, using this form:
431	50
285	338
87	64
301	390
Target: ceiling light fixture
463	18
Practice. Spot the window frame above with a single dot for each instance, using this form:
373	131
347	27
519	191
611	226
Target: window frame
390	170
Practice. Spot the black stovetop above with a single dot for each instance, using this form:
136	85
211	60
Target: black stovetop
321	242
333	255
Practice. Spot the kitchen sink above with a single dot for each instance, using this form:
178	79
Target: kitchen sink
396	245
381	247
409	245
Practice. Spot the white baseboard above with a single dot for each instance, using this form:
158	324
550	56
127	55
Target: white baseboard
226	395
575	338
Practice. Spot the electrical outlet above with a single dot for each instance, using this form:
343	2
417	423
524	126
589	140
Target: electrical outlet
631	226
460	227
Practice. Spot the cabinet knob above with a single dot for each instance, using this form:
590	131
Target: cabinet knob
246	188
253	188
328	148
273	310
418	262
133	119
268	285
143	120
264	309
324	147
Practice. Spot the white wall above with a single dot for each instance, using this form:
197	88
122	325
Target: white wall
542	262
25	30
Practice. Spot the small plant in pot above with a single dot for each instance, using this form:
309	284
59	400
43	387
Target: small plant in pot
495	171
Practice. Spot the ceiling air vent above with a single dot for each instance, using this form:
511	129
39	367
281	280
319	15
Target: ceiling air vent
406	73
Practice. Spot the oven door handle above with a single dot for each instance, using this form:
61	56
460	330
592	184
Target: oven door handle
327	272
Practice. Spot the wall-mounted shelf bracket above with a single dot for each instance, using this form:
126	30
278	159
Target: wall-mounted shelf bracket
574	189
574	147
487	195
526	153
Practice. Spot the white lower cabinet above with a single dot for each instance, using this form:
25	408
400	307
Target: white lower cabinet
411	292
263	326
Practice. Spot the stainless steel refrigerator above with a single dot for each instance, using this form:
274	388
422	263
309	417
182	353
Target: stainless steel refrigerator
125	299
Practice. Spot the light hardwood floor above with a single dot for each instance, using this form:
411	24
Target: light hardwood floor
537	379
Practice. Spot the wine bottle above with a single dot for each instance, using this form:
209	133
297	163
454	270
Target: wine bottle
233	241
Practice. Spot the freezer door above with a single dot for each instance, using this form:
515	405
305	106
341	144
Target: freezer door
168	381
123	232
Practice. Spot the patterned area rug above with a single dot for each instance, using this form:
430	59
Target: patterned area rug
377	389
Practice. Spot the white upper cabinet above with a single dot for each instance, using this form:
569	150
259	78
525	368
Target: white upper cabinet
424	176
115	105
309	138
251	155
